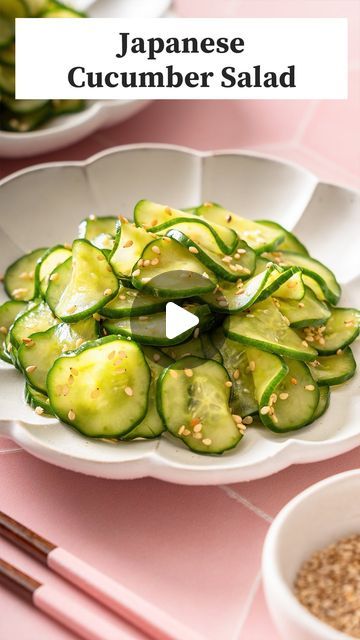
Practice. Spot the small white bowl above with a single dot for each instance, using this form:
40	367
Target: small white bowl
317	517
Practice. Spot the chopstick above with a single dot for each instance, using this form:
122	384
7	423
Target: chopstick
142	614
82	620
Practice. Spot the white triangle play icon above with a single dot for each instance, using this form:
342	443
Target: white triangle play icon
178	320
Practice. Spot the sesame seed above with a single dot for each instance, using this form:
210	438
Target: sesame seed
189	373
265	410
107	292
74	371
236	374
173	373
198	427
71	415
207	442
155	249
65	390
228	218
304	343
146	263
228	383
3	330
223	303
122	297
143	317
283	395
193	250
100	257
154	222
129	391
252	365
136	272
39	411
54	276
309	387
293	381
168	210
97	317
145	280
111	355
273	398
156	357
186	432
123	219
71	379
166	239
301	305
18	293
248	420
207	204
196	332
197	436
181	430
226	259
31	368
339	352
94	394
28	342
67	245
154	262
71	309
236	418
78	343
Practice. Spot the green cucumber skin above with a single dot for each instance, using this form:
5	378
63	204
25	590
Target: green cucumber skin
9	311
295	243
307	322
272	287
323	404
227	249
38	267
336	379
34	399
36	254
85	347
263	346
324	351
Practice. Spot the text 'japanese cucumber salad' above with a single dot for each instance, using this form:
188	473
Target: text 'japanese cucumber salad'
20	116
86	325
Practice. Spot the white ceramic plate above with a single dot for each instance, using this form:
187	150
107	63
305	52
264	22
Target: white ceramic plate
43	205
65	130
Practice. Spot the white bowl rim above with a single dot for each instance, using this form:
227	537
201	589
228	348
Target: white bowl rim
270	561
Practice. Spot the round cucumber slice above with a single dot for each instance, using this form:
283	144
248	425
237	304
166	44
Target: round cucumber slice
340	330
8	312
308	312
131	302
46	265
129	244
37	400
102	388
324	401
335	369
38	318
19	278
290	241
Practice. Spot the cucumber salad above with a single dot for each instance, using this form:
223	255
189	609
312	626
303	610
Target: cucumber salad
86	326
20	116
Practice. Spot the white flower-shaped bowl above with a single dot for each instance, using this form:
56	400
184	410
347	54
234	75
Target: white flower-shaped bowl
42	206
317	517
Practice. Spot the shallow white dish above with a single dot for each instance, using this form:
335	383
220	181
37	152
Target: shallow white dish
317	517
65	130
42	205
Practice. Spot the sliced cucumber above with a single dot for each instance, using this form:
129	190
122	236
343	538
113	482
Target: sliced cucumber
231	298
131	302
289	403
24	122
129	244
7	79
64	107
259	237
324	401
8	312
309	312
193	399
49	345
19	278
7	31
46	265
93	226
192	347
155	217
23	106
155	272
236	363
91	285
340	330
290	241
38	318
312	268
286	283
105	242
38	400
152	425
335	369
267	371
152	329
314	286
211	352
266	328
102	388
36	6
226	267
14	8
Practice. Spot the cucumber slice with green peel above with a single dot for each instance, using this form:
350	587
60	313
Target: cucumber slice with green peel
131	302
236	363
93	226
155	217
46	265
24	122
7	55
38	400
290	241
312	268
211	352
314	286
101	389
64	107
341	329
193	400
7	31
155	272
129	244
152	425
323	404
49	345
192	347
227	267
285	283
152	329
231	298
92	284
105	242
23	106
38	318
308	312
19	278
288	403
7	79
200	232
267	370
14	8
266	328
8	312
335	369
60	279
259	237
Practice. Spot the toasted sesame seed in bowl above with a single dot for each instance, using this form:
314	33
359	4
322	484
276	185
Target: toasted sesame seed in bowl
311	562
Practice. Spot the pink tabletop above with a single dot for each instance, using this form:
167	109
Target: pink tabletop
193	551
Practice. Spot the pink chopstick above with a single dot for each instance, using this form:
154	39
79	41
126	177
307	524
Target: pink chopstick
140	613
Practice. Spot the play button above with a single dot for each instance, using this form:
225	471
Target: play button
178	320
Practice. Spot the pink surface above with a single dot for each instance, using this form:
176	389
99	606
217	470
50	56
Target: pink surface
195	552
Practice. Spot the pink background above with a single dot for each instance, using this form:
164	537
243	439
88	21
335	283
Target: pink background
193	551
